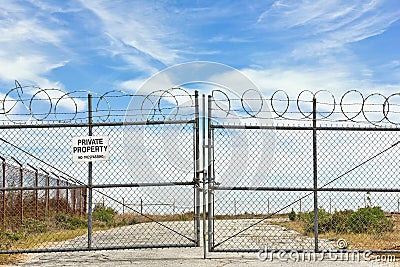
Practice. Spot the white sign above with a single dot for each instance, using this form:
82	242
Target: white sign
90	148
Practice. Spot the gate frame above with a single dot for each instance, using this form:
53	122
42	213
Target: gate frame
89	186
213	186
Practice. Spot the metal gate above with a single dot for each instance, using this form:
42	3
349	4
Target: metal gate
145	196
310	174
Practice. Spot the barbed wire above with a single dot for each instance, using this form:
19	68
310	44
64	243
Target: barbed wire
24	104
352	106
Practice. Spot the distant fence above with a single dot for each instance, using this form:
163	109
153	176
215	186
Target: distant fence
29	192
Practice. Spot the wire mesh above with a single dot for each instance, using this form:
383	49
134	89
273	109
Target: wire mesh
268	182
146	171
144	196
263	189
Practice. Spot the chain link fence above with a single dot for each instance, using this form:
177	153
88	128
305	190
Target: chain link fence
21	205
311	174
329	183
144	196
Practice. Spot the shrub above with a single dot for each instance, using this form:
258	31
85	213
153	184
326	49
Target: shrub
32	226
69	222
369	220
324	221
103	214
292	215
133	221
339	221
7	239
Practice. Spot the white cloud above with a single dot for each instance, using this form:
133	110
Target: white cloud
140	27
31	68
30	47
332	75
16	30
132	85
322	25
293	80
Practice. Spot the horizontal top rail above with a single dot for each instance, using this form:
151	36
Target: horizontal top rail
98	124
305	189
72	186
304	128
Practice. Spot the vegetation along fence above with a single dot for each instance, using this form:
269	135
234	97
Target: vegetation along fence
23	200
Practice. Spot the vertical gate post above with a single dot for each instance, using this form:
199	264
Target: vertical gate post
197	168
210	179
90	177
315	174
204	176
3	210
21	192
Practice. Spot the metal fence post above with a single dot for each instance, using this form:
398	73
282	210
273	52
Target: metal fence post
47	193
73	201
21	197
36	194
197	167
3	211
204	177
58	195
57	192
90	177
315	174
66	198
210	179
82	202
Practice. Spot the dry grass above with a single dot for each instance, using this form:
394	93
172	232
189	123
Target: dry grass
381	241
129	219
39	240
296	225
6	259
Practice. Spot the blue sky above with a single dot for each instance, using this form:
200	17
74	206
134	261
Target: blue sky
283	44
